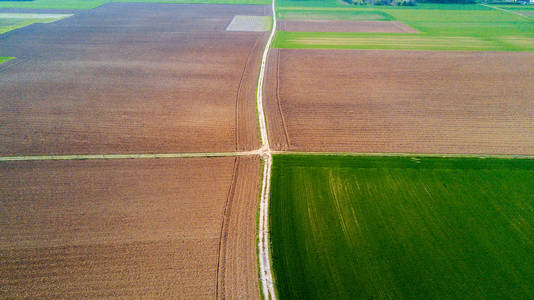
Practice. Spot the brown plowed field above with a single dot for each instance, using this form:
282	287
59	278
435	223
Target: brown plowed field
238	271
131	228
401	101
132	78
345	26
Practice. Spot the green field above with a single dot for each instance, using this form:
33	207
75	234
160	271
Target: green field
4	59
90	4
402	227
441	27
10	21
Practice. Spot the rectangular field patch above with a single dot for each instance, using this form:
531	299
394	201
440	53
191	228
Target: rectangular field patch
345	26
402	227
249	23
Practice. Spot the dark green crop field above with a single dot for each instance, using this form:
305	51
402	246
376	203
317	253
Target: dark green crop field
402	228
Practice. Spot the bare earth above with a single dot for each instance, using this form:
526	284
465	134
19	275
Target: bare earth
131	78
401	101
143	228
345	26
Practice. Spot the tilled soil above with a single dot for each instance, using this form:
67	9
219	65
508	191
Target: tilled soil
131	78
401	101
345	26
130	228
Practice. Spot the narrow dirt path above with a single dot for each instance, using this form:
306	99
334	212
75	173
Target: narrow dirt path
266	277
127	156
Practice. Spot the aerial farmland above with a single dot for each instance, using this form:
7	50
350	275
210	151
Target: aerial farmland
257	149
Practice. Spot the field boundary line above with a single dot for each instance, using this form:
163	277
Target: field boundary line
127	156
508	11
392	154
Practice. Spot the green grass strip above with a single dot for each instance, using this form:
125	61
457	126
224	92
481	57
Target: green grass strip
345	227
11	21
5	59
327	40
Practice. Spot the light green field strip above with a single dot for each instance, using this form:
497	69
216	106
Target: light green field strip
11	21
124	156
436	155
311	40
53	4
32	16
5	59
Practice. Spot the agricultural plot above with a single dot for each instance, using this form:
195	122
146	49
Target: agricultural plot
165	228
402	228
5	59
132	78
400	101
344	26
439	27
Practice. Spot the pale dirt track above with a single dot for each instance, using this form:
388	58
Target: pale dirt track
401	101
129	228
264	245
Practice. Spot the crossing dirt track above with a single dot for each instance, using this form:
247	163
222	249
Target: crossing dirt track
400	101
132	78
159	228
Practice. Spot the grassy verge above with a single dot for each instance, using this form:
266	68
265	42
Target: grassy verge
11	21
4	59
402	227
53	4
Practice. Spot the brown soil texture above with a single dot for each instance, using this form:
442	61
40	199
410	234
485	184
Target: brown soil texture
131	78
527	13
345	26
160	228
401	101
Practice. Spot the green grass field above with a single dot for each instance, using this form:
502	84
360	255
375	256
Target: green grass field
402	228
441	27
4	59
90	4
11	21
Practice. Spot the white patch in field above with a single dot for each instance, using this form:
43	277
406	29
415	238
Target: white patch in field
250	23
